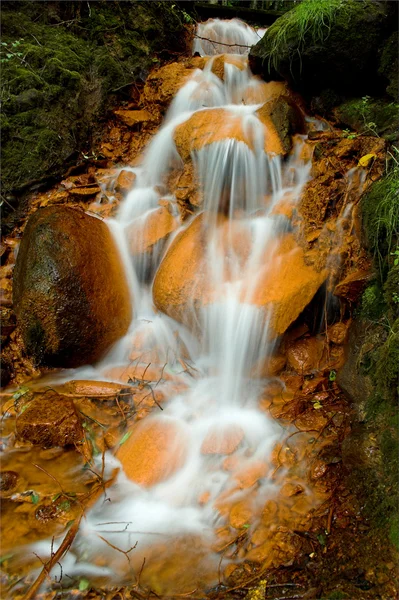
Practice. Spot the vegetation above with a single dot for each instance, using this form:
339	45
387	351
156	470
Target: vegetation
380	209
60	62
309	19
370	116
379	355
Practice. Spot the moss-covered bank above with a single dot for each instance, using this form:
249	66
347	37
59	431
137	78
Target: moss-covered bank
61	62
373	367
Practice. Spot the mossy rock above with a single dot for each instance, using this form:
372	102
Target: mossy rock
372	116
320	44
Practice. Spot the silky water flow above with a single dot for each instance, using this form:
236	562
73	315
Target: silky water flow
210	428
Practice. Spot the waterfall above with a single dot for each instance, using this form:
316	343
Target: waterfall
213	405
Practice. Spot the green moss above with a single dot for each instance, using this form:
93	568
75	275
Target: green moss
309	22
59	64
320	44
380	209
370	116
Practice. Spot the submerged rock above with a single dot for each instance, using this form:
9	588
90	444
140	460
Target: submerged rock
153	451
49	420
70	293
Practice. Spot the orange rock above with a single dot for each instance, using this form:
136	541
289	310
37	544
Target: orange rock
319	468
223	440
69	289
204	498
155	450
217	124
338	333
248	476
240	514
229	570
85	192
231	463
261	535
304	355
352	286
162	84
92	388
286	285
125	181
49	419
291	489
262	554
283	115
180	282
311	420
219	61
143	235
270	367
269	512
133	118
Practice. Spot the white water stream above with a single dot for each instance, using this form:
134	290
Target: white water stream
219	392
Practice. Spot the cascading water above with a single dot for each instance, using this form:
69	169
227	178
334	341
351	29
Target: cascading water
210	364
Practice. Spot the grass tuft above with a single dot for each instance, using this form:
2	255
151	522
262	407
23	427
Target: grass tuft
311	20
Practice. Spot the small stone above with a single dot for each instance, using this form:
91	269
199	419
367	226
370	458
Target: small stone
133	118
85	192
248	476
222	441
240	514
125	181
305	355
311	420
8	480
318	469
338	333
291	489
352	286
49	420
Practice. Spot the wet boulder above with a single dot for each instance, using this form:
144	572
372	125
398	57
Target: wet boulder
217	125
285	116
70	293
284	287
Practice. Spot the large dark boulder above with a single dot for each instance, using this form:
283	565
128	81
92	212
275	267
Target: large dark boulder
70	294
340	53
